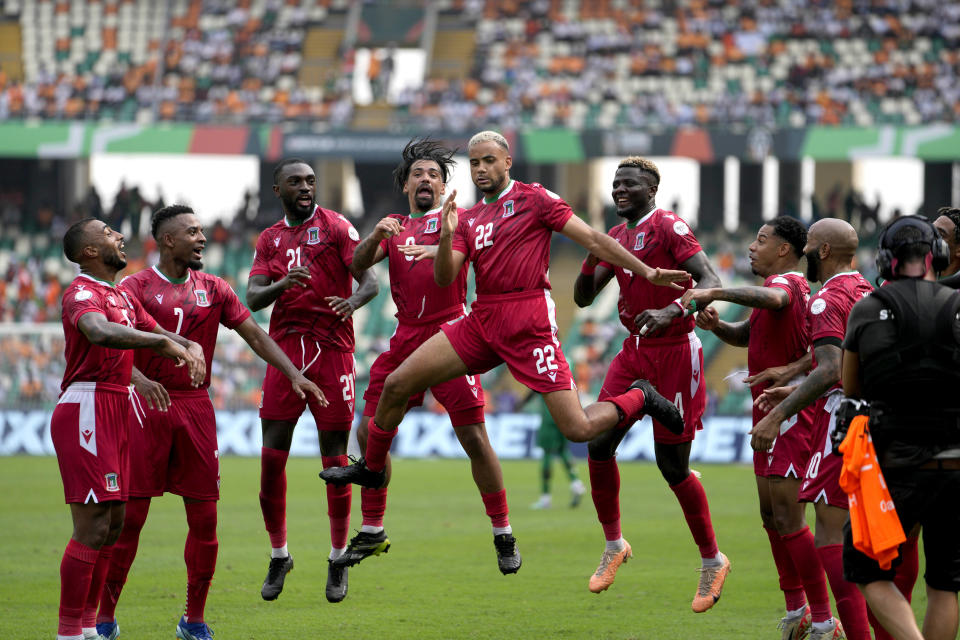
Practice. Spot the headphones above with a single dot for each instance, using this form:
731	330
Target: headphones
887	253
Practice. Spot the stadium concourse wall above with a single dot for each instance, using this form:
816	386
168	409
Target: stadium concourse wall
937	142
422	435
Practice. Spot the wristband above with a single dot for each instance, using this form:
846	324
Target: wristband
685	310
586	269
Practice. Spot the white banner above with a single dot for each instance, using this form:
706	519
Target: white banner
422	435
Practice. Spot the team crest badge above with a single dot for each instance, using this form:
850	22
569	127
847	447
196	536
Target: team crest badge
638	242
431	225
111	482
507	208
202	300
313	235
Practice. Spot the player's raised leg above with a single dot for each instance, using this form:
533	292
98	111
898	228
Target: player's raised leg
432	363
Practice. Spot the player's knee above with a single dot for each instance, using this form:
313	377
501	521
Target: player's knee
599	449
396	390
473	441
673	473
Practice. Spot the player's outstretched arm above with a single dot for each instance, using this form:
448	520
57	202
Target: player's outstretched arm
773	298
154	393
591	281
609	250
265	347
369	252
653	320
104	333
806	393
736	334
261	291
447	263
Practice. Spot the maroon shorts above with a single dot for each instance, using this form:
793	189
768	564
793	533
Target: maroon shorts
89	432
176	450
788	456
821	483
332	371
462	397
674	365
519	329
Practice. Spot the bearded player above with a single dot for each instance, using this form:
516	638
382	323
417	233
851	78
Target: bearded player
507	237
776	335
89	426
662	348
422	308
304	266
176	450
830	250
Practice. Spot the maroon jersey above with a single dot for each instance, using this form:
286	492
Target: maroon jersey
508	240
659	239
194	309
88	362
323	243
830	307
779	337
412	286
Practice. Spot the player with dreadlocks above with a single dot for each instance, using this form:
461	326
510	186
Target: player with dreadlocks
422	307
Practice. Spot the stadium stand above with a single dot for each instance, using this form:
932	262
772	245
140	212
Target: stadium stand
543	63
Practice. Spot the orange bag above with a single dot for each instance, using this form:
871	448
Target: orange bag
873	519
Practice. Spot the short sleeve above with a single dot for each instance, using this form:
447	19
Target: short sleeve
81	301
554	211
347	240
683	244
781	282
828	318
233	312
262	255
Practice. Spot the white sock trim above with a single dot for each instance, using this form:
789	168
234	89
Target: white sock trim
796	613
715	561
615	545
369	528
336	553
279	552
501	530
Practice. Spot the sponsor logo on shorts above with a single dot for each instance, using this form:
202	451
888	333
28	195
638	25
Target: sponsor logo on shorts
313	235
87	434
553	375
638	242
202	300
111	482
507	209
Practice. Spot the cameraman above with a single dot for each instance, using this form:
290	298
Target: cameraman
902	355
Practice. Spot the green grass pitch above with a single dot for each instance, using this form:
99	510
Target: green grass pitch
440	578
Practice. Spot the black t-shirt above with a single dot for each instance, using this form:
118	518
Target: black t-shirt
872	331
